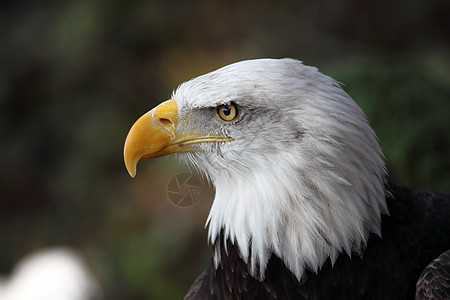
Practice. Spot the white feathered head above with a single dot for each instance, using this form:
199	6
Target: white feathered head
297	169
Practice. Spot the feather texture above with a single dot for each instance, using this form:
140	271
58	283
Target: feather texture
388	268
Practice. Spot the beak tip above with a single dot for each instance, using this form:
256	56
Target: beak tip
130	165
131	168
132	173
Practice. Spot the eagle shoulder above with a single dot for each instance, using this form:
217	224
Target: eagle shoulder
434	282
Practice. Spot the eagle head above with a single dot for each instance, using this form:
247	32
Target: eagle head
297	169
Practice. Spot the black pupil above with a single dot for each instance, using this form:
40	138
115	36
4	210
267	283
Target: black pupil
226	110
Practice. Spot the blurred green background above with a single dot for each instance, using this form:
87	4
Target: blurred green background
76	74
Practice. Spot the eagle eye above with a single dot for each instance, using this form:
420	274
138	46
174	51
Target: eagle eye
228	112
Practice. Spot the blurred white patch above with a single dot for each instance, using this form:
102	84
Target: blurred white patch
50	274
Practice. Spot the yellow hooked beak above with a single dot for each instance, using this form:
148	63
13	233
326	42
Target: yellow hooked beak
155	134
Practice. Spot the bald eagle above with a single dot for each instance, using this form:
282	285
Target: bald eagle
304	207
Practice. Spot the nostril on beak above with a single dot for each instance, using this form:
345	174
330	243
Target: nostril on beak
165	116
165	122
